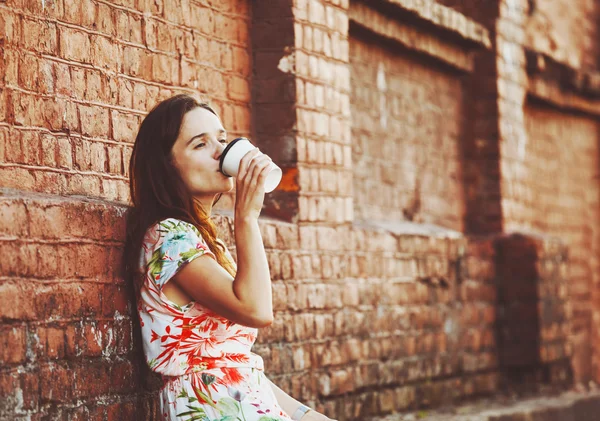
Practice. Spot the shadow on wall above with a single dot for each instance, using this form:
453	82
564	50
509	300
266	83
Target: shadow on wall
533	323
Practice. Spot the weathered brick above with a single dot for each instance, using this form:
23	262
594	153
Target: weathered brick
39	36
75	45
94	120
105	52
124	126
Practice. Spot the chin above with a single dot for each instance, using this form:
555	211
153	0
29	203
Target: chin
230	185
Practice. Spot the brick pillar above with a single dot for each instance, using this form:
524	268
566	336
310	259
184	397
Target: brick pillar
480	148
301	107
323	125
274	100
512	92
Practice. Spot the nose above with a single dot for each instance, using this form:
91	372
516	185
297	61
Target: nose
219	150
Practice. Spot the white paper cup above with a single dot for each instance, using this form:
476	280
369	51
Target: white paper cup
233	154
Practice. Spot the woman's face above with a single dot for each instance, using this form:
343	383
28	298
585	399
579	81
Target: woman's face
196	153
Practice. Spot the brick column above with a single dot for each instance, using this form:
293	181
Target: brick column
512	87
301	106
481	150
323	111
274	100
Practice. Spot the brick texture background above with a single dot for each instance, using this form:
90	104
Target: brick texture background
406	159
569	34
437	234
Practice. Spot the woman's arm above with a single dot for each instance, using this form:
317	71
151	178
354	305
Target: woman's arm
287	403
291	405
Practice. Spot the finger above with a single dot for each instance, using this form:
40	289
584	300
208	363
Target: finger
258	165
249	177
262	177
245	161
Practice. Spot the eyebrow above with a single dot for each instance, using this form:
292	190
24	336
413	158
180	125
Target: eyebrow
204	134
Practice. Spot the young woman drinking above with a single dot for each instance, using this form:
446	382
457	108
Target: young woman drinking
199	312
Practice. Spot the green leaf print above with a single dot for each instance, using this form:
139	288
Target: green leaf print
156	263
205	397
228	418
228	406
187	255
176	226
267	418
195	413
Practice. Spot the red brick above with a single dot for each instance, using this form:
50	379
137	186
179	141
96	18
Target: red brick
124	126
30	146
83	185
29	72
76	82
16	300
239	89
165	69
55	383
116	300
94	121
39	36
166	37
98	157
13	345
83	156
50	342
105	20
17	178
105	53
128	26
11	145
91	379
114	159
204	18
3	107
48	150
136	61
73	12
75	45
119	411
64	153
13	218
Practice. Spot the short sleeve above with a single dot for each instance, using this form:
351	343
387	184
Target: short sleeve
179	243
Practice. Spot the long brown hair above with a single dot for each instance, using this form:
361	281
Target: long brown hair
157	189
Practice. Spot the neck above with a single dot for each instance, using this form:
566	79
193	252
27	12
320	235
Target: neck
206	203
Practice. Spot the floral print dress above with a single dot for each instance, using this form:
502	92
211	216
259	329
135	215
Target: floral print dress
205	360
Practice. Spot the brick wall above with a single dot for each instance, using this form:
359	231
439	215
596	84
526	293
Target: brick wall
406	130
385	300
79	76
560	179
568	34
75	80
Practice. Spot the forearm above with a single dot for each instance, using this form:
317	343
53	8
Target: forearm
252	283
285	401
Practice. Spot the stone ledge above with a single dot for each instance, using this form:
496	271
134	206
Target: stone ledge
448	19
562	85
423	26
569	406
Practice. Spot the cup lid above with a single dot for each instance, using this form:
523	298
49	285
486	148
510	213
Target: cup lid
229	146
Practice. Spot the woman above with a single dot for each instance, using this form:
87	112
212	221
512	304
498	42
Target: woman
199	313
